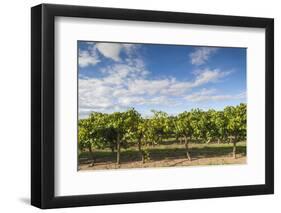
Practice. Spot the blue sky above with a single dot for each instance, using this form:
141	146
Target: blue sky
171	78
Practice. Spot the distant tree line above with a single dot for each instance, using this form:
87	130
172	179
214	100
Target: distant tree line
119	130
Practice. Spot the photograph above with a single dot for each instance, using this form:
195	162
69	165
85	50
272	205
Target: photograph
160	105
154	100
141	105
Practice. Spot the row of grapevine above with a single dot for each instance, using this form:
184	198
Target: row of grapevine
123	129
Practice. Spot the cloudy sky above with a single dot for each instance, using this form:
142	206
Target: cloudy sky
171	78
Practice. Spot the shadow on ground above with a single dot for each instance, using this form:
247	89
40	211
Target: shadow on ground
25	200
163	154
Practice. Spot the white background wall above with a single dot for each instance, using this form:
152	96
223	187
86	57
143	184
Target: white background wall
15	105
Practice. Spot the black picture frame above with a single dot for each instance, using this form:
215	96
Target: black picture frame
43	105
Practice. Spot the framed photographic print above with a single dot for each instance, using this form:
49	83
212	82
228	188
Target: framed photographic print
139	106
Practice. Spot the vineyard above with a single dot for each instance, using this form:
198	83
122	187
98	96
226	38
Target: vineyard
214	137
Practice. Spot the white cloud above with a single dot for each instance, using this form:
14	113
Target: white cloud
207	75
110	50
88	57
94	94
122	87
125	85
173	87
150	87
113	50
127	101
129	48
201	55
212	95
110	91
91	55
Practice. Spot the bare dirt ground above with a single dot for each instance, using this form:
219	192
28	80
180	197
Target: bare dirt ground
222	160
168	155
